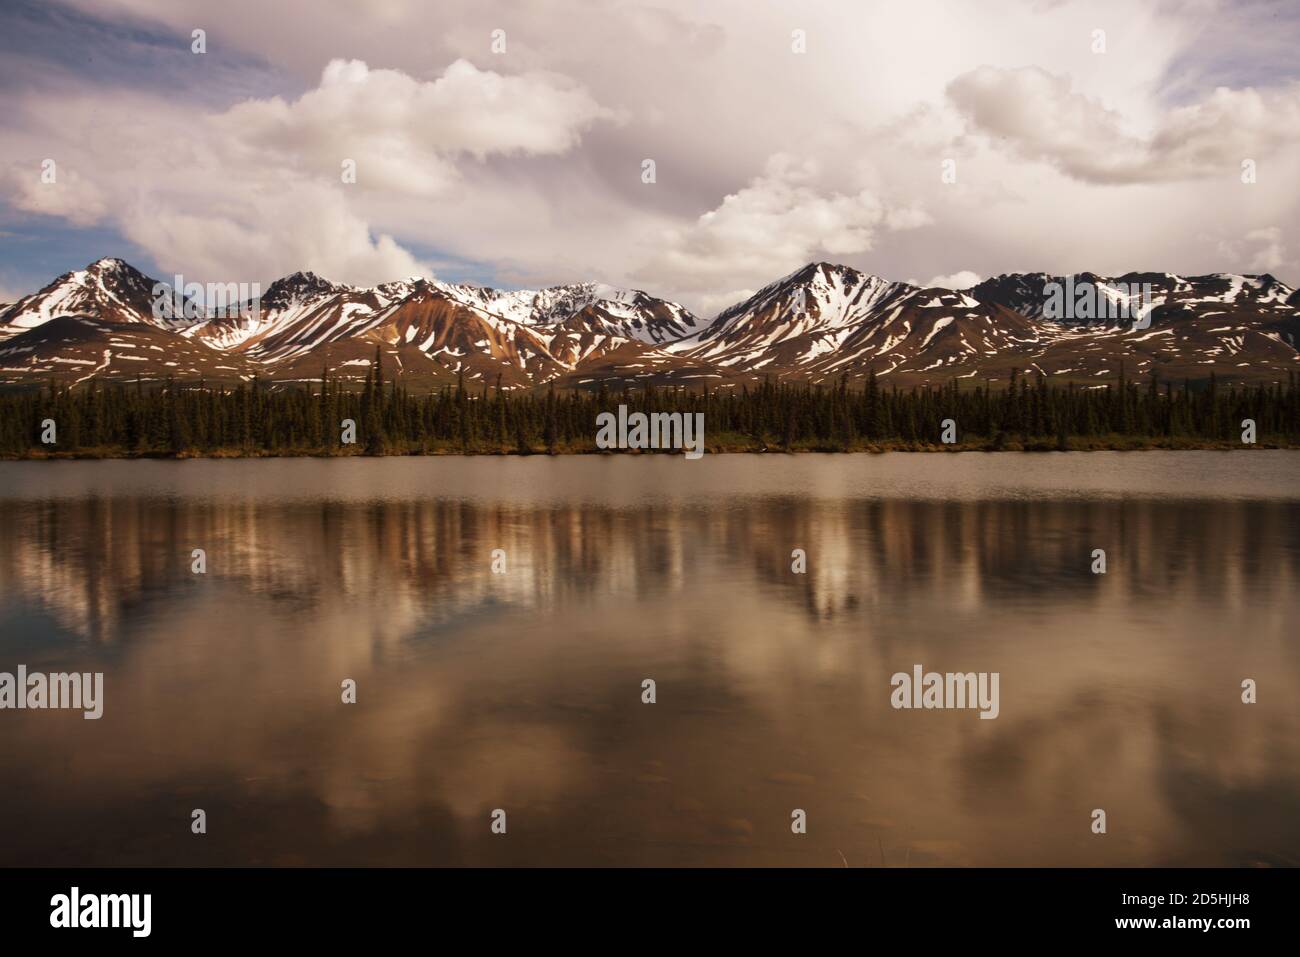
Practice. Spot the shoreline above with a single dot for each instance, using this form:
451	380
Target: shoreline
1114	444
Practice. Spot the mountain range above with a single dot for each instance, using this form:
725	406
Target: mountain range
819	324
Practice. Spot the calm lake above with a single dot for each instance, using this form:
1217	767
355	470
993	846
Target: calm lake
522	690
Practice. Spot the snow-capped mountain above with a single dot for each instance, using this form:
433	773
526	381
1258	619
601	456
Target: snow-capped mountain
827	321
101	321
294	315
521	337
525	337
626	313
1238	326
814	300
304	310
109	289
824	322
1028	293
819	324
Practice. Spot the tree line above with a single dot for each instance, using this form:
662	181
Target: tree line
98	418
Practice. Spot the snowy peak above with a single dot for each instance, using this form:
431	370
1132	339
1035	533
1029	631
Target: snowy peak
108	289
821	293
821	323
524	336
810	306
299	288
824	321
1028	293
628	313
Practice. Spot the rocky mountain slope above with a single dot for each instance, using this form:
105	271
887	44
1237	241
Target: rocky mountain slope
818	324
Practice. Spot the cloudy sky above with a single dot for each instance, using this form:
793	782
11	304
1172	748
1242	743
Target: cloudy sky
1103	136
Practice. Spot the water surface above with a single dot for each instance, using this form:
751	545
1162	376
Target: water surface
522	690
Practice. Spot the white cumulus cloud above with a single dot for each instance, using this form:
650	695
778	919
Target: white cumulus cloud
777	222
962	279
1040	116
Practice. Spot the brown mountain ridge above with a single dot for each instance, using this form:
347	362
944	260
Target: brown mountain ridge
819	324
